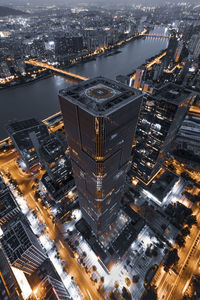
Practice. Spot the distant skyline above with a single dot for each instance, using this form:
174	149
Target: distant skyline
92	2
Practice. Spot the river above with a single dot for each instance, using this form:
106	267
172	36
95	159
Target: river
39	99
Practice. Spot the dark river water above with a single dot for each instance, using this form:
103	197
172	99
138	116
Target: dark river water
39	99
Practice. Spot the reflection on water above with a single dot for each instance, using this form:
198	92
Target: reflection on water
39	99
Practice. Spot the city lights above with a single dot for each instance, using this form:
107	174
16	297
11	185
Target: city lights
99	150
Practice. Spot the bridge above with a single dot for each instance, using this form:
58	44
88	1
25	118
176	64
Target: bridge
156	35
50	67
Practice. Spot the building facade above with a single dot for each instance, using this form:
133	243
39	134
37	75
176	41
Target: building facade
8	207
22	247
51	289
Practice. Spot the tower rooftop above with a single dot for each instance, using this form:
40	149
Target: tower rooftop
172	93
100	96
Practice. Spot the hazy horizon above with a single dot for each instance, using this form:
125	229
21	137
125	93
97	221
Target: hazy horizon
69	3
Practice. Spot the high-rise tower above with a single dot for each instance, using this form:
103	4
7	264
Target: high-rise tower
161	116
100	118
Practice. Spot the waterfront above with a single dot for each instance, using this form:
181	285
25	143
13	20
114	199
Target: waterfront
39	99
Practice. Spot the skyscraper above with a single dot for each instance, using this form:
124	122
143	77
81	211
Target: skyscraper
161	116
100	118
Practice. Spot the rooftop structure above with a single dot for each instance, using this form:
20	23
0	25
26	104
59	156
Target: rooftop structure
53	147
100	96
173	93
162	187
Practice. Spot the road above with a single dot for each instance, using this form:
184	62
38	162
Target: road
8	162
171	285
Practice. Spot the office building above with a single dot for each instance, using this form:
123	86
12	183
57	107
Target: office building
25	135
100	117
162	114
21	247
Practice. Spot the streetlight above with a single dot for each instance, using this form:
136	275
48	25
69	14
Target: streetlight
35	293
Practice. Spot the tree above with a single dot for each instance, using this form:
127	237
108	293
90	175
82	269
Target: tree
185	231
112	296
150	293
94	268
191	220
135	278
171	259
154	252
116	285
128	282
126	294
180	240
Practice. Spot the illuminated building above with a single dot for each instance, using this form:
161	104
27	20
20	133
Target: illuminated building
100	118
161	116
138	78
22	247
51	288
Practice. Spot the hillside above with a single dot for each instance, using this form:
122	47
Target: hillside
7	11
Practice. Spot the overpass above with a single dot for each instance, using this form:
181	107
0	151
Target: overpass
50	67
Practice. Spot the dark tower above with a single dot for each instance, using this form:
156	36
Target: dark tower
100	118
162	114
